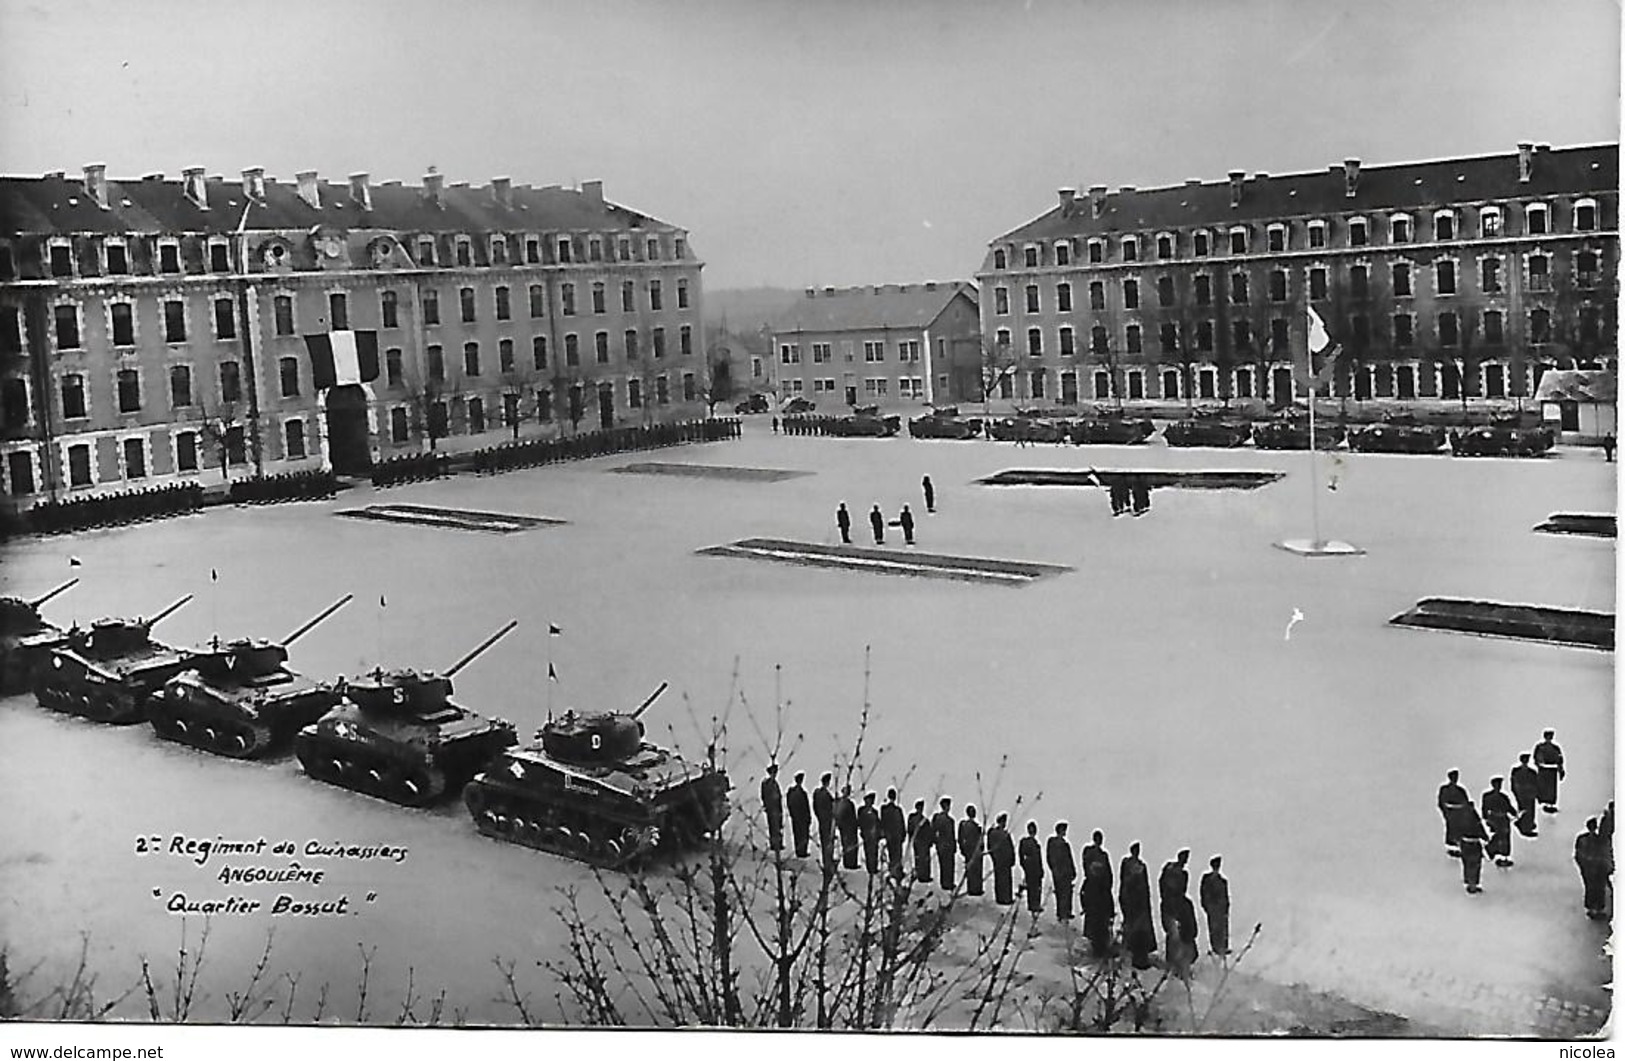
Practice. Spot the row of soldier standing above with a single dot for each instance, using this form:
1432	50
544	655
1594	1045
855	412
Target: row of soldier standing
877	521
1472	833
941	842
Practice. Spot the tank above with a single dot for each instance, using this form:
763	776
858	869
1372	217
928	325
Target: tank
109	672
1396	434
1501	440
398	736
26	640
1110	427
593	789
1025	426
239	699
941	423
1292	432
1207	429
867	425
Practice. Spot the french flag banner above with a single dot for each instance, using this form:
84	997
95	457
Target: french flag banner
338	358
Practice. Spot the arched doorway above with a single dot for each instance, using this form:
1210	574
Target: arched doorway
349	440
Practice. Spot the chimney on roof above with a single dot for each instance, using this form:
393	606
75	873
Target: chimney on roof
1066	196
459	184
930	285
1236	178
307	189
96	183
502	191
829	292
145	176
254	183
1526	162
1351	177
1127	189
593	192
1192	182
433	184
812	292
361	190
1097	200
193	188
1259	178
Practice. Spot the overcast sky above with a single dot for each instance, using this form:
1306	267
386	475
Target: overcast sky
801	143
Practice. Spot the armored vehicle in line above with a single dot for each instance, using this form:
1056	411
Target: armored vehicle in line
1292	432
593	789
26	640
1396	434
944	423
398	736
239	699
109	672
866	424
1111	427
1501	440
1025	427
1214	429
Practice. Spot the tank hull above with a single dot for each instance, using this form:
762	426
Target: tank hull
943	427
1208	434
1296	436
238	722
1502	442
866	426
116	690
1111	432
23	657
410	761
1387	438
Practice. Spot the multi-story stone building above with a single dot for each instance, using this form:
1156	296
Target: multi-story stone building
865	345
1459	277
152	328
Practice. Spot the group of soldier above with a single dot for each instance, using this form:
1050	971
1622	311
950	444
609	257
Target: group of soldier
1472	833
532	452
877	519
942	847
109	510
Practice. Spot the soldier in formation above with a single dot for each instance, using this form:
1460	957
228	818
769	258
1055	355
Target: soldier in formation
1095	897
1549	767
823	806
1062	870
942	827
1452	798
773	807
869	833
1215	894
800	814
894	830
1032	869
905	520
1526	790
1134	897
1001	851
846	827
843	520
970	848
1495	807
877	524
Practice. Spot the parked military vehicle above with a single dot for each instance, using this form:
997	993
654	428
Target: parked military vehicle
1111	427
397	735
592	789
944	423
1291	431
1209	428
1502	440
239	699
1027	428
109	672
756	403
866	425
26	640
1397	434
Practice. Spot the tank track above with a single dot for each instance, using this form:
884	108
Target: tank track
602	843
114	705
233	738
371	773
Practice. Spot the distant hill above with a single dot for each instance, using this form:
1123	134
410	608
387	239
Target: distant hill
747	309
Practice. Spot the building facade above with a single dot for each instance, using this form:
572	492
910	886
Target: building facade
155	328
870	345
1438	280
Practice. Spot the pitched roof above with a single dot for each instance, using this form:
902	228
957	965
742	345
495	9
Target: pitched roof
1571	385
840	309
1404	186
59	204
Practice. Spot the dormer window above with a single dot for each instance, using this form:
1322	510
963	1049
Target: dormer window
1000	261
1131	248
1165	246
1275	238
1399	228
1317	234
1201	244
118	258
499	250
1238	240
425	250
595	249
1537	219
563	250
1489	222
1063	253
1359	232
61	258
465	251
1585	215
679	249
1029	256
1444	225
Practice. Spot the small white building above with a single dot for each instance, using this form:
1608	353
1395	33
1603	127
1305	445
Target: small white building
1581	405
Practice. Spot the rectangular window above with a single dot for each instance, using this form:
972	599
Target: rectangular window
436	357
1277	285
599	301
399	426
655	302
1540	278
1133	339
61	260
628	296
1131	293
282	312
1097	252
1068	342
11	327
338	311
464	252
538	352
1400	229
1317	283
1097	295
1001	301
1446	277
634	394
471	359
1279	336
180	386
129	390
1444	226
1359	281
174	321
685	341
1241	335
658	341
219	258
1103	385
1168	338
465	300
538	301
73	397
600	345
1204	335
1035	342
79	465
231	382
663	390
1131	249
1402	279
21	468
1063	254
1032	298
123	324
293	434
1404	330
1201	244
504	306
1449	332
1238	241
1494	329
1203	284
225	319
1136	385
118	259
504	355
688	386
1238	288
567	299
1029	257
682	294
630	341
389	309
572	350
1358	236
67	327
288	372
394	368
1063	297
169	258
874	351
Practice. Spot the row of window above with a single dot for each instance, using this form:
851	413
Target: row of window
1489	328
112	257
1315	234
1537	277
874	352
471	411
189	449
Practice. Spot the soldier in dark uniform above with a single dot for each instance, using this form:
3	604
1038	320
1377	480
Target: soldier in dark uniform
1452	797
1526	790
970	847
1215	894
1173	887
1001	850
1095	897
823	804
1592	860
846	824
930	494
800	814
1472	834
1032	869
893	831
1058	855
1134	896
1117	487
1549	764
877	523
923	836
773	806
869	833
843	520
943	832
905	519
1140	488
1495	807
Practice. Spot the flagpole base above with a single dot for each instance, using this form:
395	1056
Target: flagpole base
1319	547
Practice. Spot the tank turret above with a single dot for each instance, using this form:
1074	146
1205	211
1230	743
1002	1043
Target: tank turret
591	788
110	671
398	735
240	699
26	639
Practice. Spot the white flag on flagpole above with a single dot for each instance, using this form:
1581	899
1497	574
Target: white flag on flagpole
1318	339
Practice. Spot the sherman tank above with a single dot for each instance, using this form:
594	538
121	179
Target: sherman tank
26	640
1292	432
109	672
944	423
1396	434
593	789
397	735
865	424
239	699
1208	429
1027	428
1111	428
1501	440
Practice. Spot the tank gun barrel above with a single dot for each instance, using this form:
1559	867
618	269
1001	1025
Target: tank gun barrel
481	647
69	584
167	612
311	625
652	698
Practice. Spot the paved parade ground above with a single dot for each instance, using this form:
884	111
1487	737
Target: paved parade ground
1163	689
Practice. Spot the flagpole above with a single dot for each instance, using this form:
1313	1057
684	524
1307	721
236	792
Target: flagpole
551	681
1314	482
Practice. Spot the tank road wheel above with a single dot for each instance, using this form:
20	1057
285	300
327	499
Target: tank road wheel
418	787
